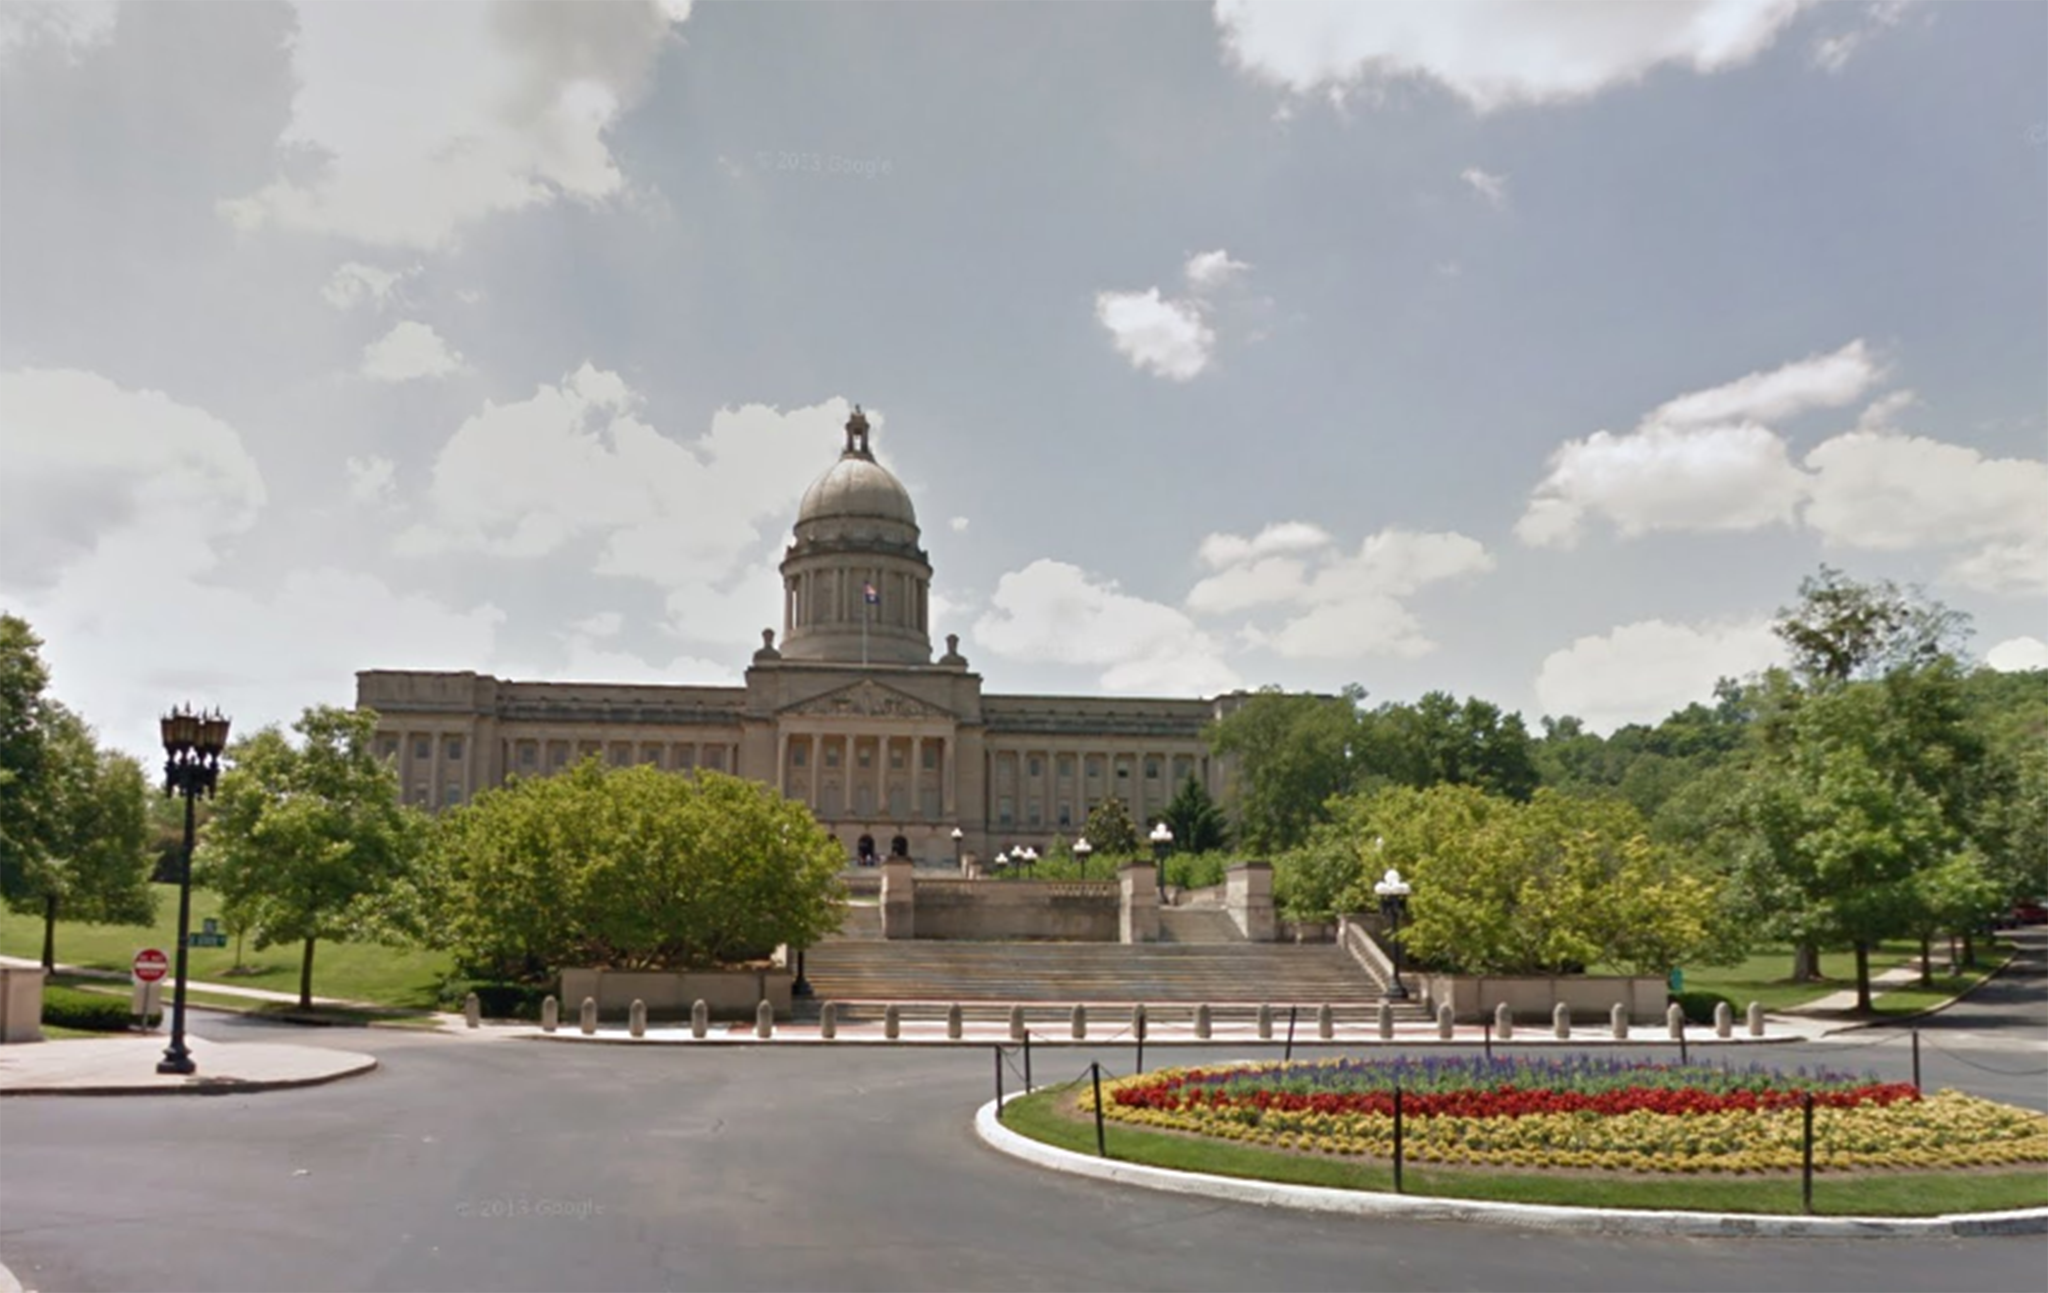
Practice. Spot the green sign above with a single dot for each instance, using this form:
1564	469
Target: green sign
198	939
210	926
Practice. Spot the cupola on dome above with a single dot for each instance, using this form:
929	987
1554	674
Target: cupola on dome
857	485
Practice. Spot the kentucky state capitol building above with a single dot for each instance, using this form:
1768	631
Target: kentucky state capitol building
849	714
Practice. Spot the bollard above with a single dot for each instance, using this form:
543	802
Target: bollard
1265	1022
1446	1022
550	1014
828	1021
1724	1020
587	1017
1202	1023
700	1017
1016	1023
1077	1023
892	1022
1617	1022
1384	1013
764	1019
1674	1021
1504	1022
1138	1021
472	1011
1561	1021
1756	1019
1326	1022
636	1018
953	1022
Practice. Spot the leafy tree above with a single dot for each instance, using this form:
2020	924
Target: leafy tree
1291	753
1549	886
629	868
1841	630
94	861
1438	741
308	840
24	754
1110	830
1197	822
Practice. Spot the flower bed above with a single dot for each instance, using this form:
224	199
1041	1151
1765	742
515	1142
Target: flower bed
1582	1113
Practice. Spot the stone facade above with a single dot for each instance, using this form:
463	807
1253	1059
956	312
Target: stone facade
849	714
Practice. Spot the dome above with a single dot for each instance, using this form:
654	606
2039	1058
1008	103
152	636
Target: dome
857	485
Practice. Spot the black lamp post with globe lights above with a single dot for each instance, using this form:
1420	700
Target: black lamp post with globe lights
1082	848
959	863
1162	844
1393	892
193	745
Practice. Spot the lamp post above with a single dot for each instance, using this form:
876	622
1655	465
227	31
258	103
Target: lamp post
1030	857
1393	892
1082	848
193	744
1162	844
959	863
1002	861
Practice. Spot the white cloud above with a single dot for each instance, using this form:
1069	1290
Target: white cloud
1209	270
958	524
1888	491
1345	605
1494	188
1491	53
1051	611
576	460
410	350
604	624
117	508
78	25
1166	337
372	480
1833	51
1702	461
1736	477
2018	655
414	121
354	283
1640	672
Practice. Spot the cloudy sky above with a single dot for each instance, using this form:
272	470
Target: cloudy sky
1529	350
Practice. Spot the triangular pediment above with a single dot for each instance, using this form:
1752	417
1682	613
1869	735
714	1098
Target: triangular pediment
865	699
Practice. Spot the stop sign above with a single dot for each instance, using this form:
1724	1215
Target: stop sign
151	965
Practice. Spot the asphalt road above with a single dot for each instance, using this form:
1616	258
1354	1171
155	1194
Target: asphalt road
516	1165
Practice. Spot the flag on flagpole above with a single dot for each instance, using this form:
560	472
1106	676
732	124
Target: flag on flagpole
874	598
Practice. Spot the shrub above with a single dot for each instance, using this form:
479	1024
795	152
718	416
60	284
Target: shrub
89	1011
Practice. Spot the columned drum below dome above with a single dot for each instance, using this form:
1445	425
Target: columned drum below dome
856	585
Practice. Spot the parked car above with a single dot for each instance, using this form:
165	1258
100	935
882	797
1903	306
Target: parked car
2027	911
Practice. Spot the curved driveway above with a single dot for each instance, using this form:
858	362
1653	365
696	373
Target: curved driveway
514	1165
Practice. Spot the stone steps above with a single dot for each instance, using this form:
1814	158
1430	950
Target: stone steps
1197	925
1005	973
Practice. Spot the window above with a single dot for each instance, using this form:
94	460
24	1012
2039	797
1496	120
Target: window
831	756
1066	813
451	796
714	758
1037	769
387	747
1066	765
529	754
422	747
686	758
1033	813
1151	769
1123	771
866	755
558	756
1005	811
931	757
621	755
799	756
451	748
651	755
895	756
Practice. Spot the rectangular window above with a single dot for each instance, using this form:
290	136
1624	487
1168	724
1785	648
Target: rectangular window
867	755
651	755
1005	811
451	795
931	758
1066	765
895	756
832	756
422	747
799	756
529	755
387	747
1151	769
451	748
1034	813
1066	814
1123	771
558	756
621	755
714	758
1037	769
686	758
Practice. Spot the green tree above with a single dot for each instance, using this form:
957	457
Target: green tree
1197	823
1841	630
1290	752
1550	886
628	868
25	792
94	861
307	840
1439	741
1110	830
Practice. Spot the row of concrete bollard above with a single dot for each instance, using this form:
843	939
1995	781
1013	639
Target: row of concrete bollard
1326	1026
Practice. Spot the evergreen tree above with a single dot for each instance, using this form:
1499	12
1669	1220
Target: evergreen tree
1197	822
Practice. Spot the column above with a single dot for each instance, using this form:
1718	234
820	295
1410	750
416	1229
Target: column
947	800
917	776
781	762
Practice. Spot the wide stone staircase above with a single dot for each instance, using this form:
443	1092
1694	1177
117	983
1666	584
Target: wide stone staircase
924	976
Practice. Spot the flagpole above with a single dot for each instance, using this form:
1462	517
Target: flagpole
867	612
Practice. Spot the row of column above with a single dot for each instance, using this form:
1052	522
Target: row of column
1133	789
847	742
838	596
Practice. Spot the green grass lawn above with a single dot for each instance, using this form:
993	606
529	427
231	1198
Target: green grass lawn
1048	1115
1765	975
400	977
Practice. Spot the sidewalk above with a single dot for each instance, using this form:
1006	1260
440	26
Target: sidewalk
198	985
126	1065
1844	1002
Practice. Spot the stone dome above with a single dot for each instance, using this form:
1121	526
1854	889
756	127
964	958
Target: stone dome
856	486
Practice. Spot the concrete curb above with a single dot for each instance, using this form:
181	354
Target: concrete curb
1524	1216
201	1085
